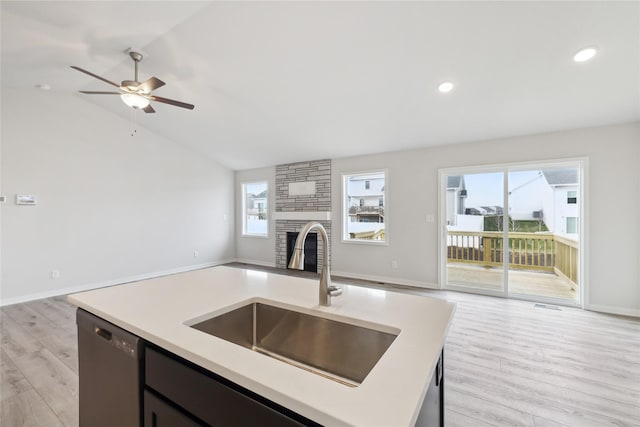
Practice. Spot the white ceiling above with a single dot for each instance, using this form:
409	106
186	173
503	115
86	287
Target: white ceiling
278	82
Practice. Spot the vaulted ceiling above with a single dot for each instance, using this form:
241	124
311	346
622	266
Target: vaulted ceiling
277	82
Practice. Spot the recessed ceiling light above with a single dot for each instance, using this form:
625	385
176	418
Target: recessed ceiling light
585	54
445	87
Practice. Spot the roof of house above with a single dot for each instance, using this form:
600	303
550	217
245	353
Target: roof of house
561	176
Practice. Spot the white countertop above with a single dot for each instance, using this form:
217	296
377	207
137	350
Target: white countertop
392	393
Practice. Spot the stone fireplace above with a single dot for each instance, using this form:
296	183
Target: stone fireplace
303	194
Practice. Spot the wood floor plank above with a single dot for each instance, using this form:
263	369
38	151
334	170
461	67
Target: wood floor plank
12	382
58	314
27	409
545	422
54	382
559	377
456	419
62	343
16	341
478	407
538	397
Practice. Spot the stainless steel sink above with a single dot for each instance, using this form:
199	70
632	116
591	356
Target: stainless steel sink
337	350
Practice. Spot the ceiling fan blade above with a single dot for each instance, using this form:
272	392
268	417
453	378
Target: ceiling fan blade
94	75
148	109
93	92
150	84
171	102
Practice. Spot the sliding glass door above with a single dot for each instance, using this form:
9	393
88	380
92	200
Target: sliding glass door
513	231
474	241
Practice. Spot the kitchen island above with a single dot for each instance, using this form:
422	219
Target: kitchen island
162	310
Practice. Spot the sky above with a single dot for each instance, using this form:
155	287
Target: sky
256	188
486	189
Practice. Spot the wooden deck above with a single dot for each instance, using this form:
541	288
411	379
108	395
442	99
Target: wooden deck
521	282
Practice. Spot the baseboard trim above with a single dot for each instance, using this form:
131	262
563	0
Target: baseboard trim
389	280
614	310
104	284
254	262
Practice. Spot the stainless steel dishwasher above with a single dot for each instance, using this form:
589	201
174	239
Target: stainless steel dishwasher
109	364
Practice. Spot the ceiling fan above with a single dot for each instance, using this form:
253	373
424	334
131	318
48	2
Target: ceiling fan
132	92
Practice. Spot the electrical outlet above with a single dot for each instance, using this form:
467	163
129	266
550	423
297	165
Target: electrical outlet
196	254
55	274
394	264
430	218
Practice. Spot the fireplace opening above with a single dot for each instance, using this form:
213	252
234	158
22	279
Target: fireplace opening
310	250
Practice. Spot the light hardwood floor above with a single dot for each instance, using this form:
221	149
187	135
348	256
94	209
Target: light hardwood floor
508	363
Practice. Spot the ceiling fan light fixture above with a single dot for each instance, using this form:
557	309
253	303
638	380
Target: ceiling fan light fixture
445	87
585	54
134	100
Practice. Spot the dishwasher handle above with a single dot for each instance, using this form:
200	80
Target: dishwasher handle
99	332
104	333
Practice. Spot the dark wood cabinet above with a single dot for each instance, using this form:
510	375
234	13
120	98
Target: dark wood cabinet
159	413
206	397
179	393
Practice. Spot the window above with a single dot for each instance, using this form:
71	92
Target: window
364	207
572	197
255	213
572	225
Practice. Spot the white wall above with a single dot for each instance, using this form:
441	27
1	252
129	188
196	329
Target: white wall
254	249
111	207
611	269
614	155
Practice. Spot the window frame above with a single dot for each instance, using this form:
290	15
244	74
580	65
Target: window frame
243	191
346	197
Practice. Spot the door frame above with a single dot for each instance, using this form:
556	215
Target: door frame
582	164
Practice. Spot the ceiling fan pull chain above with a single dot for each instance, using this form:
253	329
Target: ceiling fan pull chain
135	125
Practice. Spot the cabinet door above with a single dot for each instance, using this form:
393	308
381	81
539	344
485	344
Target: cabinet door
157	413
210	399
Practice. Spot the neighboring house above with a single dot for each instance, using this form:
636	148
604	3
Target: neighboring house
525	199
366	199
493	210
561	201
550	197
484	210
256	205
456	195
474	211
